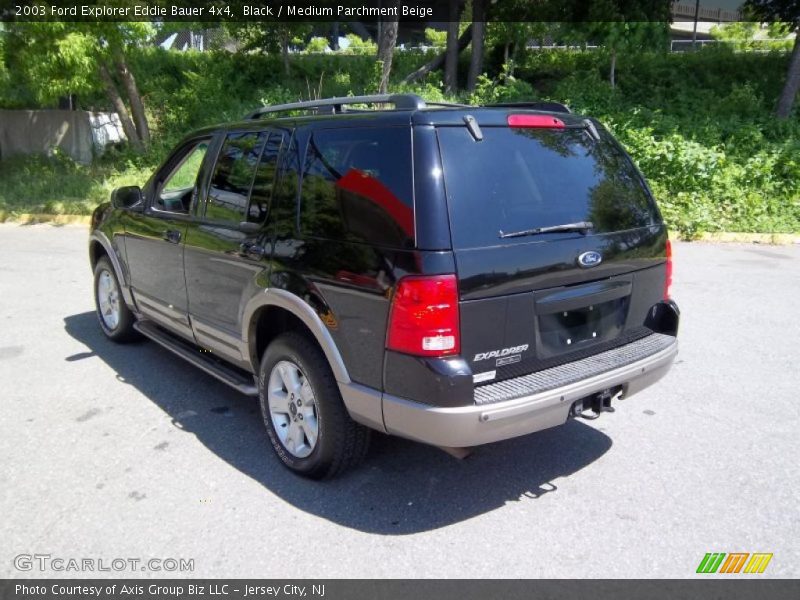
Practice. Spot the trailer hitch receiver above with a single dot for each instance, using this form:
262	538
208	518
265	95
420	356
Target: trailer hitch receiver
593	406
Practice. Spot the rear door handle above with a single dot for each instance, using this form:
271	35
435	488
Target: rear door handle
253	250
172	235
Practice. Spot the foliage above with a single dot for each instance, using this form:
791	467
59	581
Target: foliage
506	88
56	59
268	36
5	75
697	124
744	36
435	38
778	29
360	46
743	31
787	11
317	45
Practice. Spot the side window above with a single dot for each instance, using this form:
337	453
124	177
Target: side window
264	179
284	196
357	186
175	193
233	176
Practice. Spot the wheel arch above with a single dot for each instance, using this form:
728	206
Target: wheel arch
99	246
275	311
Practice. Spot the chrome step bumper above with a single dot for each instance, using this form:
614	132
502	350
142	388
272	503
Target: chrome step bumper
536	408
572	372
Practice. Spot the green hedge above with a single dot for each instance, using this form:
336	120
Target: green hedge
698	124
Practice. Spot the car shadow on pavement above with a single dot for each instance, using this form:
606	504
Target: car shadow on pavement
402	488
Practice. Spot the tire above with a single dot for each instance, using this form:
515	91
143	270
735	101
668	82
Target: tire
116	319
340	443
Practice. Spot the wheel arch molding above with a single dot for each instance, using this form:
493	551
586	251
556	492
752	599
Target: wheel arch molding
99	239
303	312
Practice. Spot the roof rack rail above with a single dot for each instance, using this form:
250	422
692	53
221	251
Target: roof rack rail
336	105
450	105
544	105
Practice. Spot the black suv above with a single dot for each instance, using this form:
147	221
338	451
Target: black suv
451	274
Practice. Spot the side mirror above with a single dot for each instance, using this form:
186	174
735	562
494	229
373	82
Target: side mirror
126	197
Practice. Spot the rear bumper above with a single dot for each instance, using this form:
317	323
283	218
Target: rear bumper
473	425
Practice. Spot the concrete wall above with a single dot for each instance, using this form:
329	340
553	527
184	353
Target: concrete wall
80	134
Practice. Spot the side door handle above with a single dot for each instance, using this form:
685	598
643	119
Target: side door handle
172	235
253	250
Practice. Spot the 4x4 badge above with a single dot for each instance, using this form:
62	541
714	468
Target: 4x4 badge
590	259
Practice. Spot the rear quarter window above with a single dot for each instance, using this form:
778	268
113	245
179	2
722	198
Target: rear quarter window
357	186
524	178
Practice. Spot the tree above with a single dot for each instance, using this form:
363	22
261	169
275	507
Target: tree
386	45
740	35
439	60
478	40
787	11
270	36
451	49
513	23
622	26
513	38
61	59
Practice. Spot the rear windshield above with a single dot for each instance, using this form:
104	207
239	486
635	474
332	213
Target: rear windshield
517	179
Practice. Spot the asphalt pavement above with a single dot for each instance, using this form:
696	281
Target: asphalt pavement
113	451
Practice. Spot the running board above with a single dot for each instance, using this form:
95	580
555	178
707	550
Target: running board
238	380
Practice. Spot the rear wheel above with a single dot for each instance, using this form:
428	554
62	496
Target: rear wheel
116	319
307	423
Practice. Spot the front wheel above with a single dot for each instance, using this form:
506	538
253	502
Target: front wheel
116	319
306	420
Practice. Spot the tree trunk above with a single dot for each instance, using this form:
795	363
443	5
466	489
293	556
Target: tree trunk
119	107
137	107
792	85
514	52
285	55
386	44
437	62
335	36
478	38
612	74
451	51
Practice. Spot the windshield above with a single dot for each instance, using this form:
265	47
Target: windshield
519	179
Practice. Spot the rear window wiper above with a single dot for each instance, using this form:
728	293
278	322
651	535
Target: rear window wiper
581	227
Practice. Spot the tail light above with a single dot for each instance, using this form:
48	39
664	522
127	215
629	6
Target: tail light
535	121
668	278
424	318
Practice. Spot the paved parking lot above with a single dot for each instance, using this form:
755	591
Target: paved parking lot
112	451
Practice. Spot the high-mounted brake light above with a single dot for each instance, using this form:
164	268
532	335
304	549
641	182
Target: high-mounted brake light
535	121
668	277
424	318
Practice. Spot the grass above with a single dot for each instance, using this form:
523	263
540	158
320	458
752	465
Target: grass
58	186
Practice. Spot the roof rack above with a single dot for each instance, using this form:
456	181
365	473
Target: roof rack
450	104
544	106
336	105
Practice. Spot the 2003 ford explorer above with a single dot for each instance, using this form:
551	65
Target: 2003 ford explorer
456	275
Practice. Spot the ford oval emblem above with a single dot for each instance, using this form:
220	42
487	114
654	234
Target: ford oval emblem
590	259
